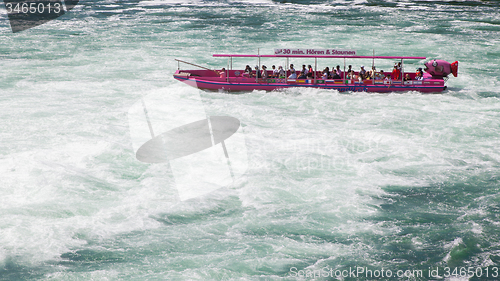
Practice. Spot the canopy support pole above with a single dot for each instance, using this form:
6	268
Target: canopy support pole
402	72
286	72
345	81
373	70
315	68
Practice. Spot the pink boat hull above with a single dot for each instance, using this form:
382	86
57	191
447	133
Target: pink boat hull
208	80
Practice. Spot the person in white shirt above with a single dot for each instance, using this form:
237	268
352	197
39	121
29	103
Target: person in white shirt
326	73
275	72
420	76
281	72
293	74
264	74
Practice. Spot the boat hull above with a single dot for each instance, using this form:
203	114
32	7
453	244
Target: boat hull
430	86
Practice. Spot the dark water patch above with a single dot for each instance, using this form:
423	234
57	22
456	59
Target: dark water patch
491	55
12	270
225	209
450	224
459	3
385	4
303	234
300	2
487	94
93	256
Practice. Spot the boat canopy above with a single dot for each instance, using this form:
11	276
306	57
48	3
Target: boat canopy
316	56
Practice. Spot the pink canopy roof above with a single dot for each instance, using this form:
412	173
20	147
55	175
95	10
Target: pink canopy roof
320	56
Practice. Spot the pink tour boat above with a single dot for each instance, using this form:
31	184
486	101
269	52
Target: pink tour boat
432	80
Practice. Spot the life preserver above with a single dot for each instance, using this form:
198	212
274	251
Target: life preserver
454	68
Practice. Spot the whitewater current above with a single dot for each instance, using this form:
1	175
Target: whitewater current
337	185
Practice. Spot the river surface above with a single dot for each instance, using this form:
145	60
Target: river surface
338	186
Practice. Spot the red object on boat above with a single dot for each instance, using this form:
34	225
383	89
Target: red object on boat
454	68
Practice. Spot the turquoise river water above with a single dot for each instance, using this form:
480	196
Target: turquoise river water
339	186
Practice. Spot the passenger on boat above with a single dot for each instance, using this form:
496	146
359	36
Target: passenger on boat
351	75
335	75
396	73
407	77
373	73
222	73
303	72
310	72
362	72
257	72
293	73
349	69
281	72
339	72
420	76
418	71
369	75
388	78
380	75
248	72
275	72
326	73
264	74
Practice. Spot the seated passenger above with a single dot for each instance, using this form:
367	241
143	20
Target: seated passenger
335	75
326	73
293	74
339	72
420	76
303	72
281	72
362	72
222	73
275	72
350	75
380	75
310	72
407	77
264	74
248	71
373	73
419	70
257	72
369	75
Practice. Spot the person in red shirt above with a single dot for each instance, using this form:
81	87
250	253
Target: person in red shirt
396	73
310	73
